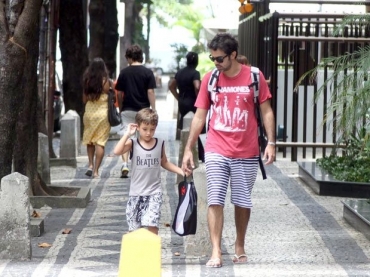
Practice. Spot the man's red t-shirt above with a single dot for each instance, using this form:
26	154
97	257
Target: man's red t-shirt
232	130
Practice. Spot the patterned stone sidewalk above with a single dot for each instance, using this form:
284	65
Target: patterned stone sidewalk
292	231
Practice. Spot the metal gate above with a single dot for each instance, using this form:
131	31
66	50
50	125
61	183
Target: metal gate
285	46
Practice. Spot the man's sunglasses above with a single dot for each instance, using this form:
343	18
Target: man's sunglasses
218	59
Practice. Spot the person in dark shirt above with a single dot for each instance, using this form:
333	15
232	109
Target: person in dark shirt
185	87
137	84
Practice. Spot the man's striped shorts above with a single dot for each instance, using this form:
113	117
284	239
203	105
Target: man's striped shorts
241	173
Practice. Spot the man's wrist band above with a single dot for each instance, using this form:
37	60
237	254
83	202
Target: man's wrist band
271	143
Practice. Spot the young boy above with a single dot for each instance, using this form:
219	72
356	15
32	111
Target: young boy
147	155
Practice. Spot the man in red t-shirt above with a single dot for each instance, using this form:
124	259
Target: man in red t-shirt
231	150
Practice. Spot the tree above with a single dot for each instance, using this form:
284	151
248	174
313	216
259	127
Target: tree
191	19
127	40
111	36
103	32
73	48
170	13
180	52
19	29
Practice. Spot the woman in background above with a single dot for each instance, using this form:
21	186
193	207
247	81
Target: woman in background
96	126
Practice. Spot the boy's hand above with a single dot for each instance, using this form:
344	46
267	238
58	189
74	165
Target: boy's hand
131	129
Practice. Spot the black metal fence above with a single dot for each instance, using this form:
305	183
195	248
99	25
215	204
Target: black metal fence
285	46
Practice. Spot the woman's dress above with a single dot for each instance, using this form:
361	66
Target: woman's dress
95	120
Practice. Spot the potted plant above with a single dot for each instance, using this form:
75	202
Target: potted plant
349	111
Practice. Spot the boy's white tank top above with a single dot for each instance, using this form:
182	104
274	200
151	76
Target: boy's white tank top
145	168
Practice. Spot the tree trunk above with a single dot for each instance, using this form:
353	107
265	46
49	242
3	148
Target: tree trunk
19	22
103	32
42	59
111	36
73	48
96	29
26	145
126	41
41	80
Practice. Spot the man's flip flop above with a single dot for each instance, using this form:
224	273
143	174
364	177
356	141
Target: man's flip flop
241	259
215	263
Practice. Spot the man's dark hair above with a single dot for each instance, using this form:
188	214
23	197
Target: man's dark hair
192	59
225	42
135	53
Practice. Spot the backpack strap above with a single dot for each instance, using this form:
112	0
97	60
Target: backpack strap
255	76
212	82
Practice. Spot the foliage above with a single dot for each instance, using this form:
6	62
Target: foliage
166	11
205	64
354	164
191	19
346	169
171	13
180	52
349	106
137	36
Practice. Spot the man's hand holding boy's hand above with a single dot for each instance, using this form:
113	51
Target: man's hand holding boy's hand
187	162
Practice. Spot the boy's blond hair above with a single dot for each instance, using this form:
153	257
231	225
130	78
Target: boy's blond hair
147	116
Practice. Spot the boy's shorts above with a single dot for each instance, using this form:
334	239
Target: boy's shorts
143	211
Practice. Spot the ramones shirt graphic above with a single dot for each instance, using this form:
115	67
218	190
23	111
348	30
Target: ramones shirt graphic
145	168
230	110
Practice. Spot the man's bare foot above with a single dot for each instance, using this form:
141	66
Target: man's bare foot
214	262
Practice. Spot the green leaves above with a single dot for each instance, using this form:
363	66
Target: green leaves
354	163
345	168
169	13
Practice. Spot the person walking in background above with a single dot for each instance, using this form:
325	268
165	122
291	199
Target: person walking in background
95	119
149	155
187	81
137	84
232	152
242	59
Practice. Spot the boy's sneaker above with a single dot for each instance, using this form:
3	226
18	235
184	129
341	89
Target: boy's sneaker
124	171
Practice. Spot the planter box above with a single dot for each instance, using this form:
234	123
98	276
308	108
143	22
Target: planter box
357	213
36	227
323	184
71	197
72	162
